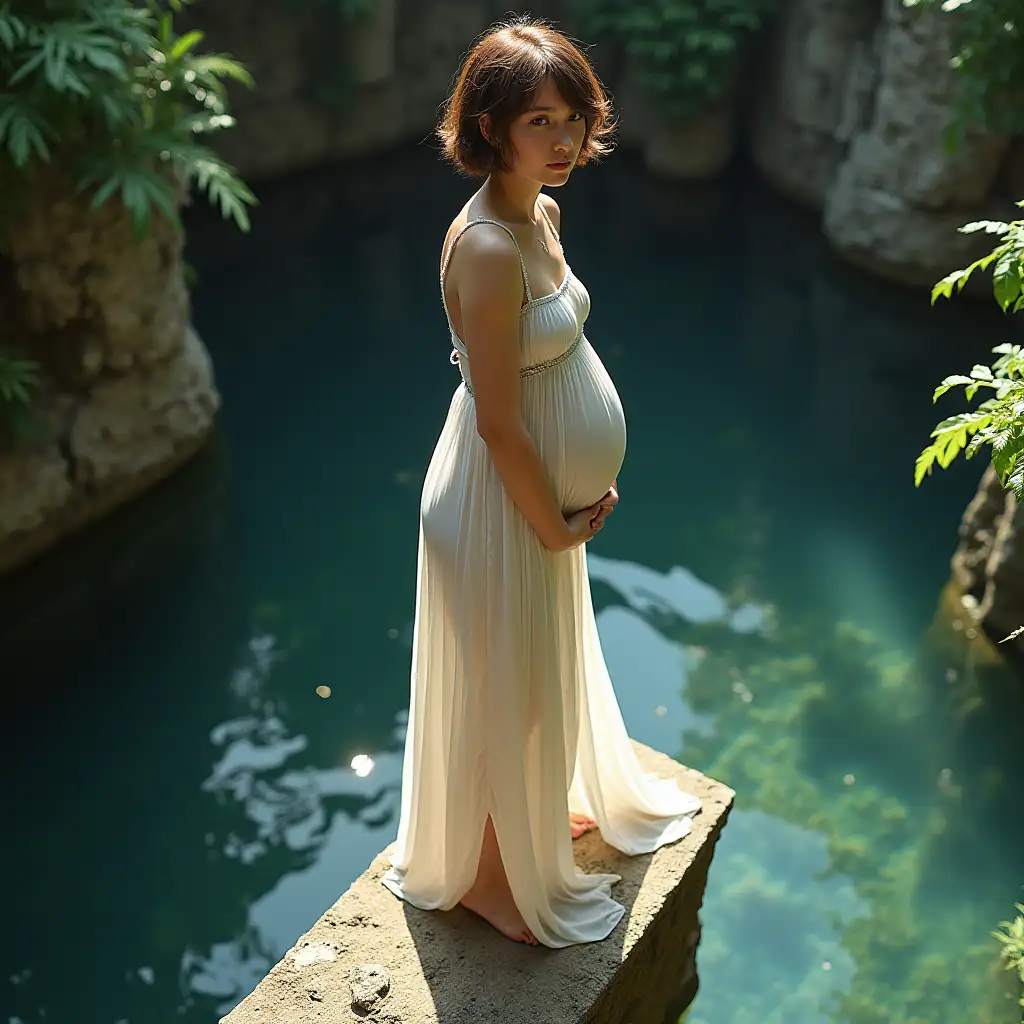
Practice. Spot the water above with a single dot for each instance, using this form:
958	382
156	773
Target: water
181	803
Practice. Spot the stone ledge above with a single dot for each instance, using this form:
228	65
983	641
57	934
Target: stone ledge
452	968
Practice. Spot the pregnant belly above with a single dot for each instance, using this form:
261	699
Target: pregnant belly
584	446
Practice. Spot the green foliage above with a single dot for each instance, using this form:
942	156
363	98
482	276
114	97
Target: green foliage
1011	935
998	421
19	381
988	55
108	92
687	51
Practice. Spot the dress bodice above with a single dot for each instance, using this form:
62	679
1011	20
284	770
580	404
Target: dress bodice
550	326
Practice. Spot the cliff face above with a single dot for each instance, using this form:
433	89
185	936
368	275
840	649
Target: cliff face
852	122
988	567
330	90
130	390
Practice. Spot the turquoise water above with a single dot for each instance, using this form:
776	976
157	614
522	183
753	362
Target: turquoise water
182	804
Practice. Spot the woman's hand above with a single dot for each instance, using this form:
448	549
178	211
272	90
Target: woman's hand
605	506
579	527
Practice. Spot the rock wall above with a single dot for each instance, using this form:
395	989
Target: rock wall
988	567
330	90
130	391
696	149
853	122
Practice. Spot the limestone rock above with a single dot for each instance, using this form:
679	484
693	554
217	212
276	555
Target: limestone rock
130	391
34	487
988	566
370	983
889	235
85	285
134	422
820	84
695	149
900	194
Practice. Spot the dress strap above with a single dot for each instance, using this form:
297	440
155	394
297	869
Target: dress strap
558	238
451	248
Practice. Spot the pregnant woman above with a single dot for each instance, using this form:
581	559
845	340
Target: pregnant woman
515	742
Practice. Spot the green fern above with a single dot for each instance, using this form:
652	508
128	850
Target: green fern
19	381
109	92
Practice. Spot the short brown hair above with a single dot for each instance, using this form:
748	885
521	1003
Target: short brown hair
500	75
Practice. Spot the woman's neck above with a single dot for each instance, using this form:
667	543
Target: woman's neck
513	198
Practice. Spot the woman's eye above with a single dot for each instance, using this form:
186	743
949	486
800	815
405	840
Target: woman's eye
541	119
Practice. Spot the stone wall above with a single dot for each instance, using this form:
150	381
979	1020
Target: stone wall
130	391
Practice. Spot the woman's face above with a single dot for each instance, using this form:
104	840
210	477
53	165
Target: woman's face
546	138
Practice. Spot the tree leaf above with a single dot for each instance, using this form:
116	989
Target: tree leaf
991	227
184	44
950	382
923	466
1006	281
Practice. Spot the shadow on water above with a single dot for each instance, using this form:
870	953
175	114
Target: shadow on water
770	599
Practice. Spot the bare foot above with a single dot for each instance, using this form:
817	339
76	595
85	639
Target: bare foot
495	905
580	823
491	897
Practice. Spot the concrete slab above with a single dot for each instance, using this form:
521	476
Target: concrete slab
374	958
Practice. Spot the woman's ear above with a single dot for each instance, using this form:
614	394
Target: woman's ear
485	128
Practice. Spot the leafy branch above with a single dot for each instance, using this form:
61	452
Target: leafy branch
109	92
988	57
999	420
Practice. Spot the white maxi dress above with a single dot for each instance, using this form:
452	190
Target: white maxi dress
512	712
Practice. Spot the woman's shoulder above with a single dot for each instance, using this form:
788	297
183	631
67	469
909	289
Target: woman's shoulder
484	240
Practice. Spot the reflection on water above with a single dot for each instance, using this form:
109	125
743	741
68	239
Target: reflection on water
186	799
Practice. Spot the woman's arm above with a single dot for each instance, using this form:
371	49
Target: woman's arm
490	290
